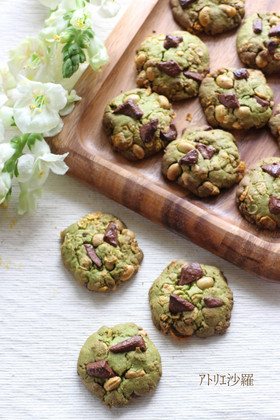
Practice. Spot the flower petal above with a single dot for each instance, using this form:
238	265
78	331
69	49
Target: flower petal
25	167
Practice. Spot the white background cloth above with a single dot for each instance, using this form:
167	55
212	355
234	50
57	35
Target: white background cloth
46	316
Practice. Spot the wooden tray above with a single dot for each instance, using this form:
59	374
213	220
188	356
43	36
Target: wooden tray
215	224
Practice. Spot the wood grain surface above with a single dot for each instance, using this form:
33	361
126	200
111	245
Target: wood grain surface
214	224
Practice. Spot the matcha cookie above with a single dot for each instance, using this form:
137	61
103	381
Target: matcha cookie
239	99
274	124
119	364
258	194
173	64
138	123
191	299
100	252
204	160
209	16
258	42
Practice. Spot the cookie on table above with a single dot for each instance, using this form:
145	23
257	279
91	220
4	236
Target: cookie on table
191	299
119	364
236	99
258	194
100	252
274	123
203	160
173	64
209	16
139	123
258	42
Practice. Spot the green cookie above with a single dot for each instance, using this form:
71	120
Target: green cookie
191	299
117	373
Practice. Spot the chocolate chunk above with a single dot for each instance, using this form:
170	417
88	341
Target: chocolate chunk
274	205
186	3
198	77
130	109
275	31
100	369
93	256
206	151
241	74
170	135
177	304
272	169
172	41
207	128
111	234
257	26
271	46
190	273
148	130
171	68
85	234
129	345
190	158
229	100
261	101
212	302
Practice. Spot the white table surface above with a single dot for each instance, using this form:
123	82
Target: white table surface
46	316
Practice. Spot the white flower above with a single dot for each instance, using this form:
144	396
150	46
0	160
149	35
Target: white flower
2	131
72	97
97	54
6	116
55	130
5	186
6	152
109	8
8	80
37	108
31	58
55	24
27	202
81	19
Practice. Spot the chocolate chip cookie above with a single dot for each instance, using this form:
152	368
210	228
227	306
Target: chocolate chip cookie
203	160
236	99
119	364
209	16
100	252
258	194
274	124
138	123
173	64
258	42
191	299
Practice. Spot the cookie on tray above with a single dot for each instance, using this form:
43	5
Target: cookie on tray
139	123
258	42
119	364
236	99
258	194
191	299
100	252
274	123
209	16
203	160
172	65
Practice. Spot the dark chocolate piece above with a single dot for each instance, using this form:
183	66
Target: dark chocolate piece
130	109
172	41
257	26
241	74
274	205
100	369
272	169
261	101
271	46
129	345
208	128
171	68
148	130
190	273
111	234
190	158
186	3
275	31
198	77
170	135
206	151
212	302
229	100
177	304
93	256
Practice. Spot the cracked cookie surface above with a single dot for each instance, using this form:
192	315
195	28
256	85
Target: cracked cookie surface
119	364
258	42
236	99
209	16
100	252
258	194
203	160
138	123
191	299
172	65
